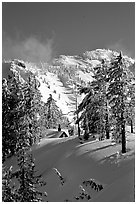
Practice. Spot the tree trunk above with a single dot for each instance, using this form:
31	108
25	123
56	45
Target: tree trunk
77	116
131	126
123	123
123	134
107	127
87	124
78	130
86	134
107	134
78	126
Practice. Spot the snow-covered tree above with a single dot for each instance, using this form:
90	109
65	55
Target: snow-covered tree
100	87
53	114
20	106
22	185
32	96
120	79
94	107
11	104
130	107
6	123
29	183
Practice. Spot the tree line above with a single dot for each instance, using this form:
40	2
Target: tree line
109	102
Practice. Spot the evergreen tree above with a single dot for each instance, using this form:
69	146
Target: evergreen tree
20	105
11	103
94	107
120	79
28	181
32	97
100	86
53	114
75	84
86	108
130	106
5	120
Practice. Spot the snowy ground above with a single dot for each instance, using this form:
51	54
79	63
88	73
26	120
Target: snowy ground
99	160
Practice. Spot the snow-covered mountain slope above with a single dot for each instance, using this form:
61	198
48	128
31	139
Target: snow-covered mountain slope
92	58
100	161
60	77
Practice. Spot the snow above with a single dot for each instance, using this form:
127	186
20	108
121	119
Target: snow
58	91
101	161
86	77
72	61
61	92
93	62
118	191
77	162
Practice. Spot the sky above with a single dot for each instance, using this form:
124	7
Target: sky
40	31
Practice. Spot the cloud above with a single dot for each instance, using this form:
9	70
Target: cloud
120	46
30	49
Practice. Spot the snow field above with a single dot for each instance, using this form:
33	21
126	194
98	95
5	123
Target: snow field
76	162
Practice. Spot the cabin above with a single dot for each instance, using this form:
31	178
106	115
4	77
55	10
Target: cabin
57	134
62	134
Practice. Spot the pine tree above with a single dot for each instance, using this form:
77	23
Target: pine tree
53	114
86	107
100	86
77	113
11	103
20	112
94	107
5	119
75	80
130	106
32	97
21	103
27	187
120	79
28	181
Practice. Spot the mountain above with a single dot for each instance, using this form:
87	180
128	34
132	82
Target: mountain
61	76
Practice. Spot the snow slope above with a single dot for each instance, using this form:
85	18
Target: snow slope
99	160
51	83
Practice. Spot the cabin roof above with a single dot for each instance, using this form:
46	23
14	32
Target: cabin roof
59	134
